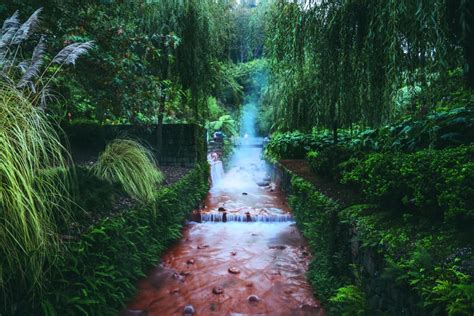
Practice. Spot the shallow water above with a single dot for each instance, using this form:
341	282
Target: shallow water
259	243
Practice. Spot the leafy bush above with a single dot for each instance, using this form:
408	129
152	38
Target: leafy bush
368	262
317	217
133	166
435	183
351	300
292	145
437	130
325	162
404	265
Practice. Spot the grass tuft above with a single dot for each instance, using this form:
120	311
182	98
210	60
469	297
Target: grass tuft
31	198
132	165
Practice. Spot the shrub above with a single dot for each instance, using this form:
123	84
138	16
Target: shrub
366	262
31	196
350	300
435	183
133	166
437	130
292	145
325	162
317	217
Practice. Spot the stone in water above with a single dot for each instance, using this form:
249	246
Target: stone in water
253	299
234	270
217	290
189	310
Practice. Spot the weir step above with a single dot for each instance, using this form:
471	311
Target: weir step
225	217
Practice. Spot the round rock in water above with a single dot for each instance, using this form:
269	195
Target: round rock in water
253	299
245	193
135	312
234	270
189	310
190	261
263	183
217	290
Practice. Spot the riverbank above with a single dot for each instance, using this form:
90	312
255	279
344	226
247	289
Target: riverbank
100	265
367	261
253	262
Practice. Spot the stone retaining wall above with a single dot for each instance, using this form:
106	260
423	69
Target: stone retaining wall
183	144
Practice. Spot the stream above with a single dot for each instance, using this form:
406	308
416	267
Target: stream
242	254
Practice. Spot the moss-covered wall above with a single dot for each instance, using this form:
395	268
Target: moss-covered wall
183	144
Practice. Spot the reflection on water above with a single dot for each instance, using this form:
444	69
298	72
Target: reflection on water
251	263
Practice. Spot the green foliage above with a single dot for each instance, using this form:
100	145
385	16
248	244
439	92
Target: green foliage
405	264
225	123
29	74
133	166
32	196
98	269
368	262
291	145
437	130
338	63
351	300
317	217
238	79
149	54
456	291
326	161
397	181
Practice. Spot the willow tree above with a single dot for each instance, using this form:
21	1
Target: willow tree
186	52
337	63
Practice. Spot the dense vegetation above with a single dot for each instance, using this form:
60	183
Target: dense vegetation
363	63
134	62
377	98
405	245
152	59
111	242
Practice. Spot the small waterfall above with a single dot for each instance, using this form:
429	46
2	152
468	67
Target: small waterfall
226	217
217	172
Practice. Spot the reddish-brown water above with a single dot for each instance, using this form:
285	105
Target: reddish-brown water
234	267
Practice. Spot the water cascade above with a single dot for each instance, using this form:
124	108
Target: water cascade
217	170
241	254
226	217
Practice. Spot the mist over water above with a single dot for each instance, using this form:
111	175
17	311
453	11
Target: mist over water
248	172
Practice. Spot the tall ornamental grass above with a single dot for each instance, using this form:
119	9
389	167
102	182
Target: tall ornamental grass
31	194
132	165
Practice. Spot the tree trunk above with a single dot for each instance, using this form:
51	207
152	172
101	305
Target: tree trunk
159	128
161	107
